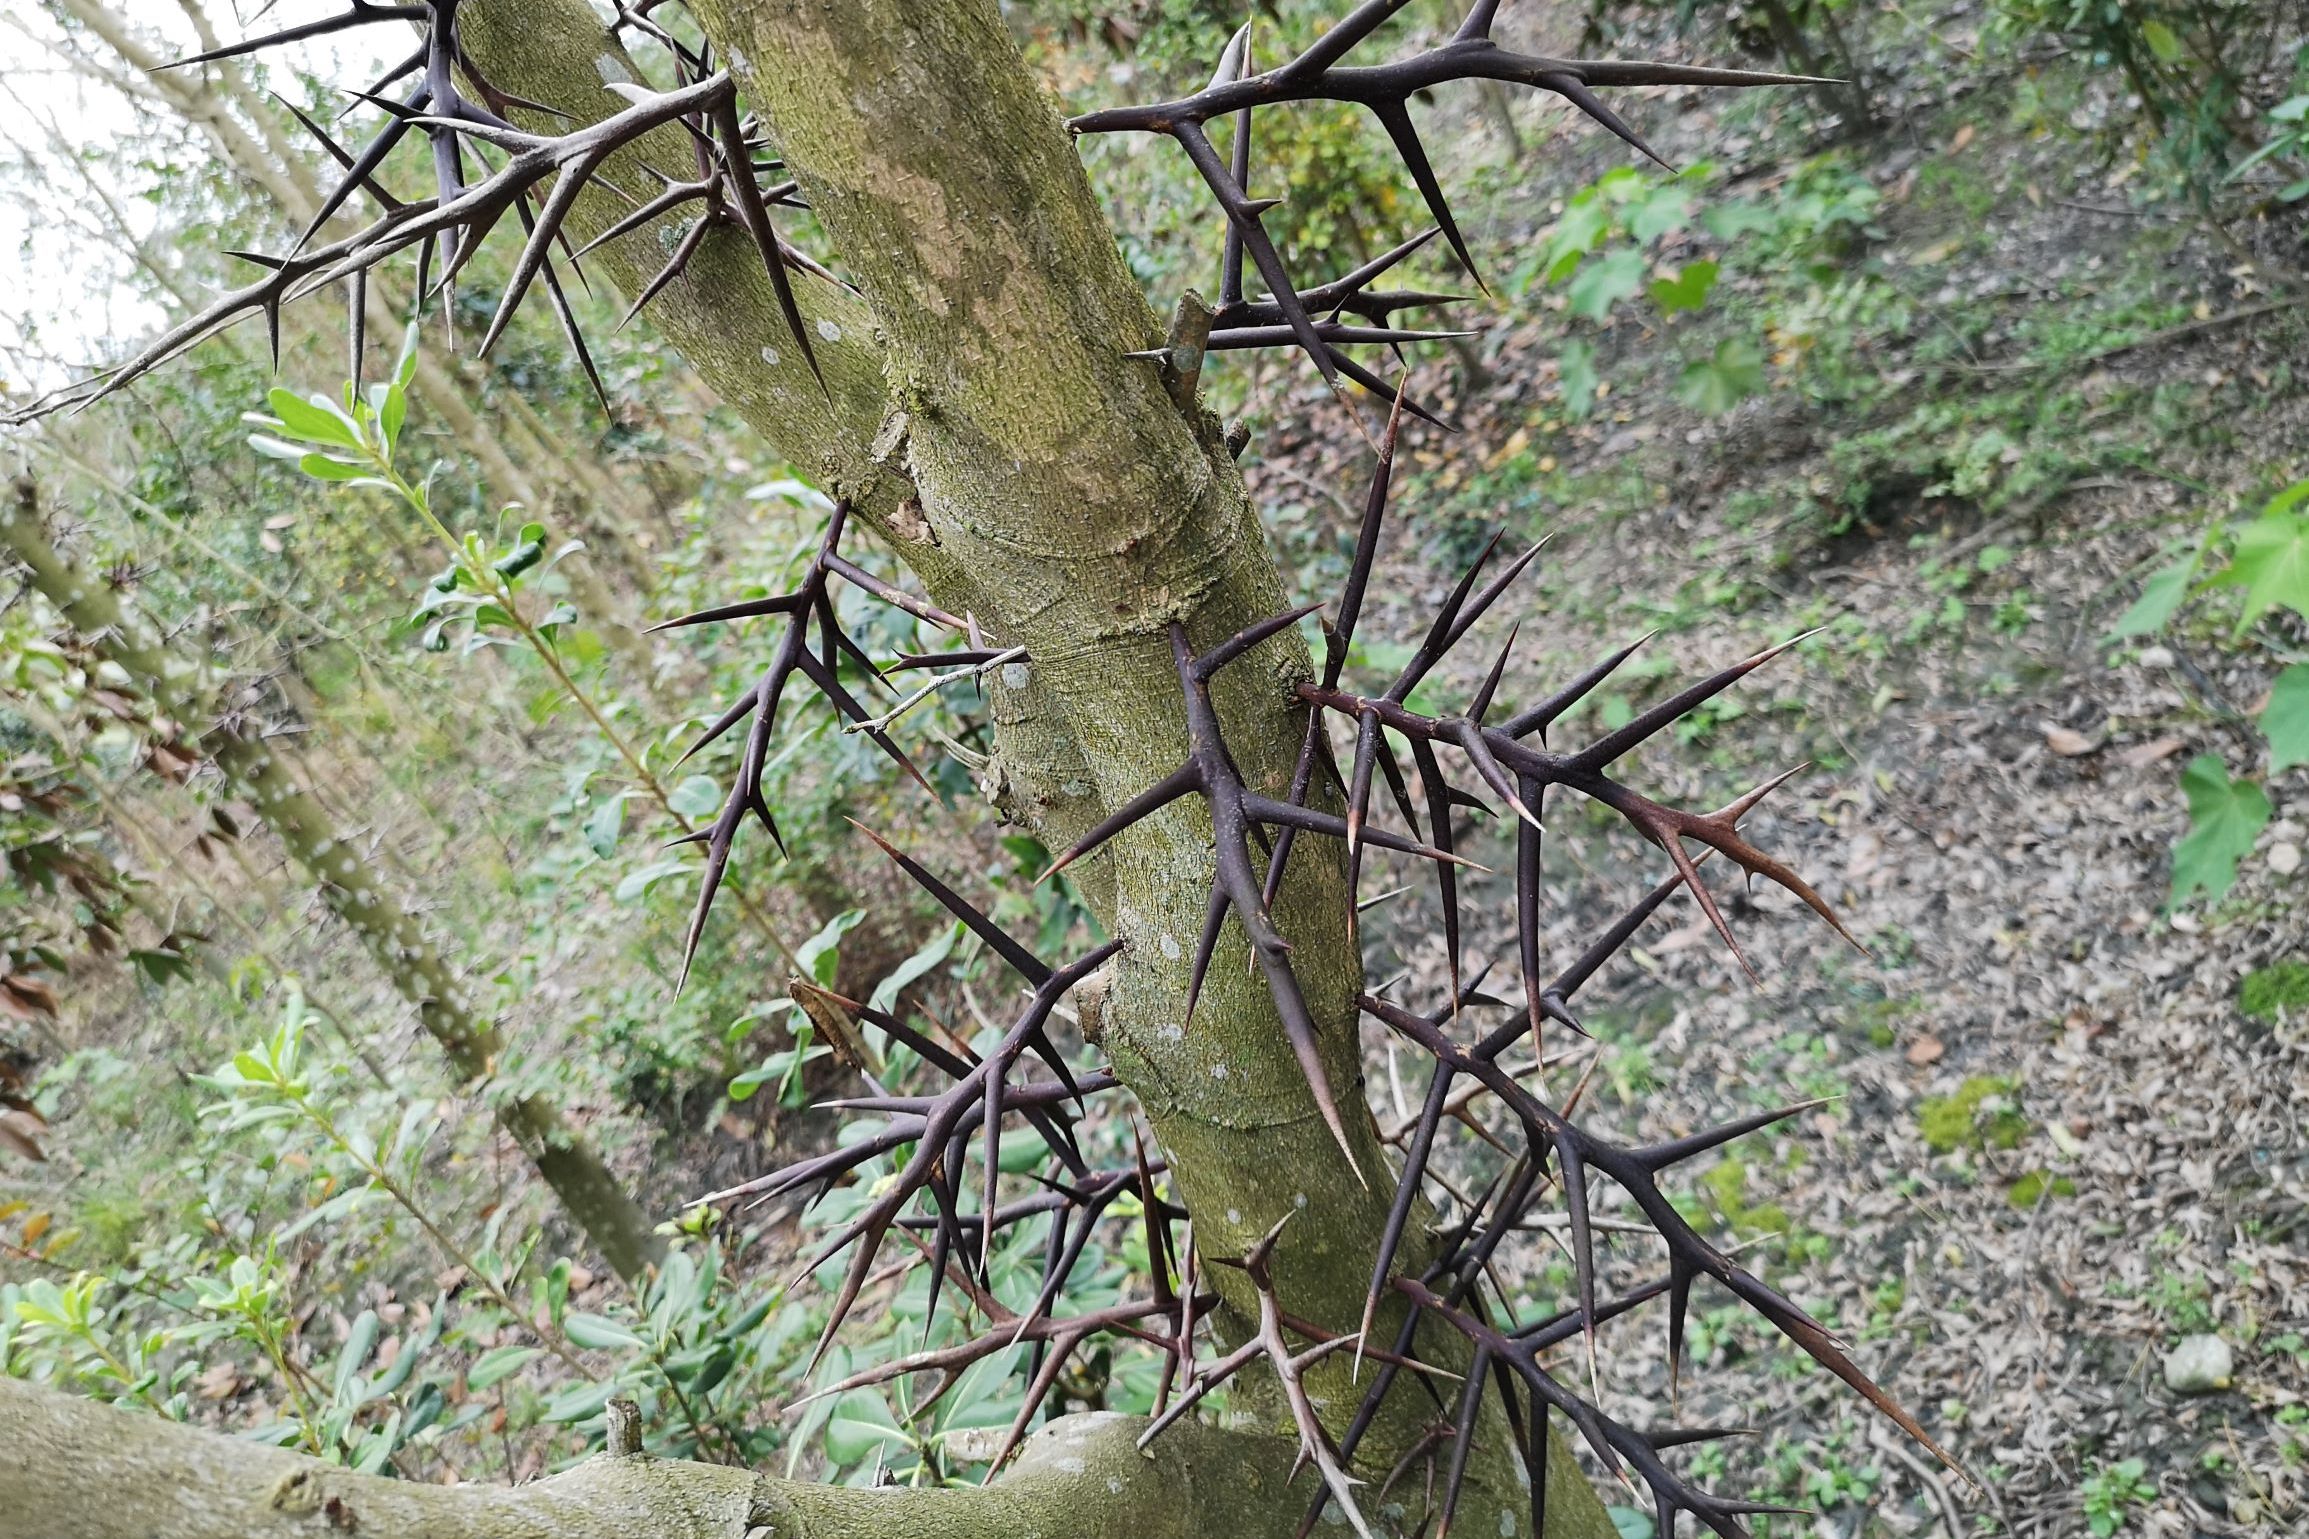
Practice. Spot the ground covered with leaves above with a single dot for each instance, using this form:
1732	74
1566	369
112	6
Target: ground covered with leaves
2063	1091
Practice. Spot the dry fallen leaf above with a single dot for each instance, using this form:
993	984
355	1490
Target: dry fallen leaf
1925	1050
2149	753
2067	742
16	1132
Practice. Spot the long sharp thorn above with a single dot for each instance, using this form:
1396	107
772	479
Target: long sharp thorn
1493	774
1477	26
360	15
1214	915
1574	90
1658	1157
1614	744
1367	747
1366	544
1025	962
1270	263
1541	716
1528	847
1481	704
1395	117
1153	799
1415	1158
675	266
1209	663
756	216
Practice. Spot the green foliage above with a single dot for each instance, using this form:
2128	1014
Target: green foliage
2285	719
2112	1491
2279	989
1716	384
2193	70
2267	557
1983	1113
2225	817
2033	1188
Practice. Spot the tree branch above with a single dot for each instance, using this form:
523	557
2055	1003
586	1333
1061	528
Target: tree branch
98	1472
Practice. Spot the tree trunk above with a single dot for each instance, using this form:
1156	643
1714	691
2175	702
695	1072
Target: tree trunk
981	414
76	1469
594	1200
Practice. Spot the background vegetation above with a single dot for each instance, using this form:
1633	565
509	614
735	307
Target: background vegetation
1981	364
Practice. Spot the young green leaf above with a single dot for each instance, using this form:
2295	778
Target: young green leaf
2271	562
2225	816
2161	598
1601	285
1687	290
2285	720
1717	384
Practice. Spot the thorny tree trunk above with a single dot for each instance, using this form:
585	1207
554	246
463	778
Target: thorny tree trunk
592	1197
981	414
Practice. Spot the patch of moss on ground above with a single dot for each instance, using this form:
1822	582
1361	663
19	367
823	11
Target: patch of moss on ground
2284	987
1984	1113
2030	1189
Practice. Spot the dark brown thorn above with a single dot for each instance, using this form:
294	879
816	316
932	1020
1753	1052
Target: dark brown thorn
1477	27
1481	704
1209	663
1153	799
1446	880
1234	203
1658	1157
1024	962
338	153
1395	117
1415	1157
360	14
1574	90
1266	809
1543	715
755	215
1614	744
1214	915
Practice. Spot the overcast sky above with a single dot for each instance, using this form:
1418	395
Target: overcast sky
65	289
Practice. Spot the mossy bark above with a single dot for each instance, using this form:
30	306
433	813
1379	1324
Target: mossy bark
74	1469
593	1198
981	413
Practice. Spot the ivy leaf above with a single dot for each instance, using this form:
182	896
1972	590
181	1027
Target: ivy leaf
1601	285
1715	385
2285	720
2225	816
2271	562
2161	598
1687	290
